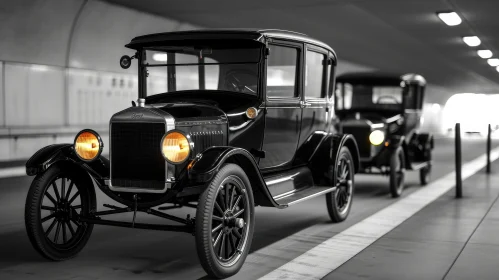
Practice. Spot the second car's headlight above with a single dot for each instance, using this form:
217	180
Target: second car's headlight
175	147
88	145
377	137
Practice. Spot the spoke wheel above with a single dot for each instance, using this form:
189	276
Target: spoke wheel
224	222
397	172
55	200
339	202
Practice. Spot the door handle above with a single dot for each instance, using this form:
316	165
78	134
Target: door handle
304	104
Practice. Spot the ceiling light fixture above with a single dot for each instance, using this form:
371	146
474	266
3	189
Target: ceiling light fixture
497	68
494	62
450	18
484	53
472	41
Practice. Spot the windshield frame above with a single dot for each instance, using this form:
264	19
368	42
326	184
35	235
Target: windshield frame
141	56
402	105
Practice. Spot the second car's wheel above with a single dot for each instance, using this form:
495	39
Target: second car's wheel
55	200
397	172
425	175
339	201
225	222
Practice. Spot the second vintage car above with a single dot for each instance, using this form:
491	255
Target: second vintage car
225	120
384	113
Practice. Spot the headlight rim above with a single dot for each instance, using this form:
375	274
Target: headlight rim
99	139
189	141
382	140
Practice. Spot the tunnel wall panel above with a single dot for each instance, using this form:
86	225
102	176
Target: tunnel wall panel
94	96
37	31
34	95
16	91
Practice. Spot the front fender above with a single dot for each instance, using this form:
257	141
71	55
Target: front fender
47	156
211	160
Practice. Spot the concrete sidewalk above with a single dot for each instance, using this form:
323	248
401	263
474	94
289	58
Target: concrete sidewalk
448	239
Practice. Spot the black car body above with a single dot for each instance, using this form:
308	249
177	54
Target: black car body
226	120
384	114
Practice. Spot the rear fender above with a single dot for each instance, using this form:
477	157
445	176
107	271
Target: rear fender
207	165
328	151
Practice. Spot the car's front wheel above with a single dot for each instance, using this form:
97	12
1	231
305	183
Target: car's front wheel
397	172
339	201
55	200
225	222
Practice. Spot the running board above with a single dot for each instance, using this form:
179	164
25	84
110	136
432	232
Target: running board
303	194
419	165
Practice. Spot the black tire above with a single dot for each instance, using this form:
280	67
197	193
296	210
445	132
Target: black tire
223	240
49	200
339	202
397	172
425	175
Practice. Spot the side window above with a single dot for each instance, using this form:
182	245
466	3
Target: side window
186	76
314	74
339	96
281	71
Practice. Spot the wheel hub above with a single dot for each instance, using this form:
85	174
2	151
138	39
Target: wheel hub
62	210
231	222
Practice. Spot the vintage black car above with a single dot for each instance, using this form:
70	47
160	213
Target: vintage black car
384	113
226	120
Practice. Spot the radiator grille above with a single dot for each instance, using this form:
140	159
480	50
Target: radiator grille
361	135
136	160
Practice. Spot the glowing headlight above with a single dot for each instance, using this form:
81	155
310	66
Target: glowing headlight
376	137
175	147
88	145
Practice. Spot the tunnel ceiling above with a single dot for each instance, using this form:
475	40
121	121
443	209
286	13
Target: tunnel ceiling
392	35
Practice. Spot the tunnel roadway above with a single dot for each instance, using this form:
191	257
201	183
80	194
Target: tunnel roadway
120	253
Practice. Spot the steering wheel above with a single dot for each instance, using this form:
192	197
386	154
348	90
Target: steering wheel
233	82
389	97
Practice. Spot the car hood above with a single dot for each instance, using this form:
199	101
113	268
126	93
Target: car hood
206	104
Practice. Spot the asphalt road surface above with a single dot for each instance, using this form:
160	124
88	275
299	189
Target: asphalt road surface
121	253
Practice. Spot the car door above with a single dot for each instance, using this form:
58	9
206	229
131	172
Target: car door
282	104
315	109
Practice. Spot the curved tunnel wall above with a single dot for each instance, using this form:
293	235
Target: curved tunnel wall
59	69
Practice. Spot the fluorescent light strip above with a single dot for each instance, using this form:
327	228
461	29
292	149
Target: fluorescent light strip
494	62
472	41
484	53
450	18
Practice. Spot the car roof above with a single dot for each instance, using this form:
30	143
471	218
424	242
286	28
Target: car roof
259	35
381	78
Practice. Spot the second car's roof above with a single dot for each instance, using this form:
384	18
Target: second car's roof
251	34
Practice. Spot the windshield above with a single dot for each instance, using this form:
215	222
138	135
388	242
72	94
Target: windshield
368	97
179	68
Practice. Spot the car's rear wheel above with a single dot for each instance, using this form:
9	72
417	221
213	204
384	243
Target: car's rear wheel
339	202
55	200
397	172
225	222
